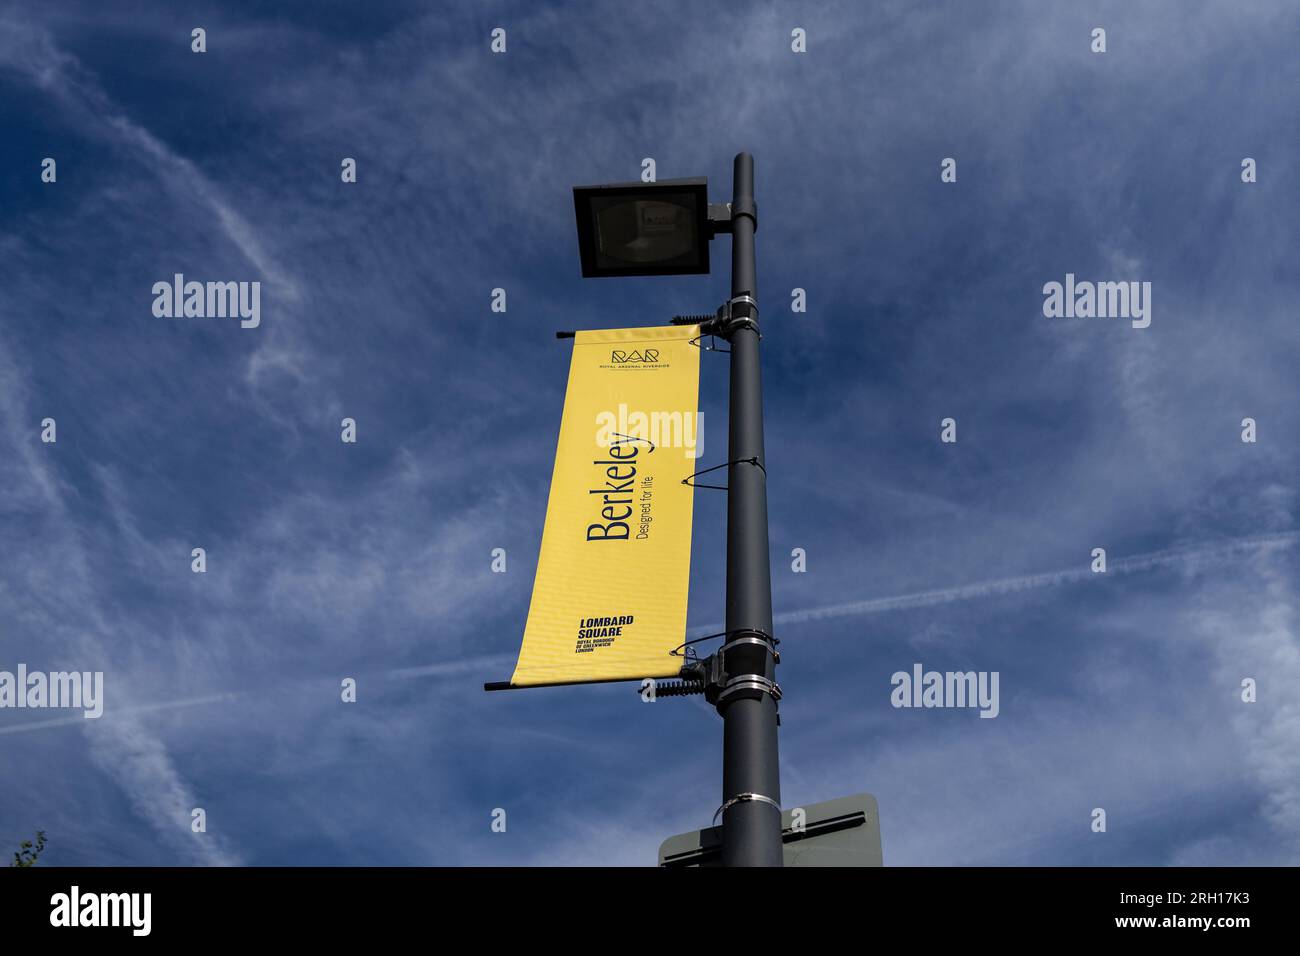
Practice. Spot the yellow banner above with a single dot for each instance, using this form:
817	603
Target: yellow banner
609	599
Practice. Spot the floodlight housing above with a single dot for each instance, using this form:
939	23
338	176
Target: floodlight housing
644	229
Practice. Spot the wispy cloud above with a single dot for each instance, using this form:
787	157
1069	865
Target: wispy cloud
1191	558
31	52
125	750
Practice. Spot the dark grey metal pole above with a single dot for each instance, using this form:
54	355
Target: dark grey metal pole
751	782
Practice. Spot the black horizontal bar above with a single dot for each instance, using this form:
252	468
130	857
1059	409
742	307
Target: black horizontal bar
506	685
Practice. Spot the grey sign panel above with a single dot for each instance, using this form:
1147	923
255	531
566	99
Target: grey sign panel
840	832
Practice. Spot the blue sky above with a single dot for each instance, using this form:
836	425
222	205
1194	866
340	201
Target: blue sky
372	560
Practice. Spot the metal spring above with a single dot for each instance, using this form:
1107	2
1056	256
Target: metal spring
678	688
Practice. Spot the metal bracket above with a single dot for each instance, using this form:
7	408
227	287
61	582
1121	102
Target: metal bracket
709	676
744	206
722	686
738	312
722	215
719	218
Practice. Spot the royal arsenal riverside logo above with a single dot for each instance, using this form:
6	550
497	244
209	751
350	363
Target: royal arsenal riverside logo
636	356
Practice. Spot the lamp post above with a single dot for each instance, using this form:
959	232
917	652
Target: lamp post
664	229
751	778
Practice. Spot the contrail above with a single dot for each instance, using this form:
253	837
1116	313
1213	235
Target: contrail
1210	553
446	669
78	719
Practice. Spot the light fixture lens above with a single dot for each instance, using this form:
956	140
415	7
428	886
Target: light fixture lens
645	231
